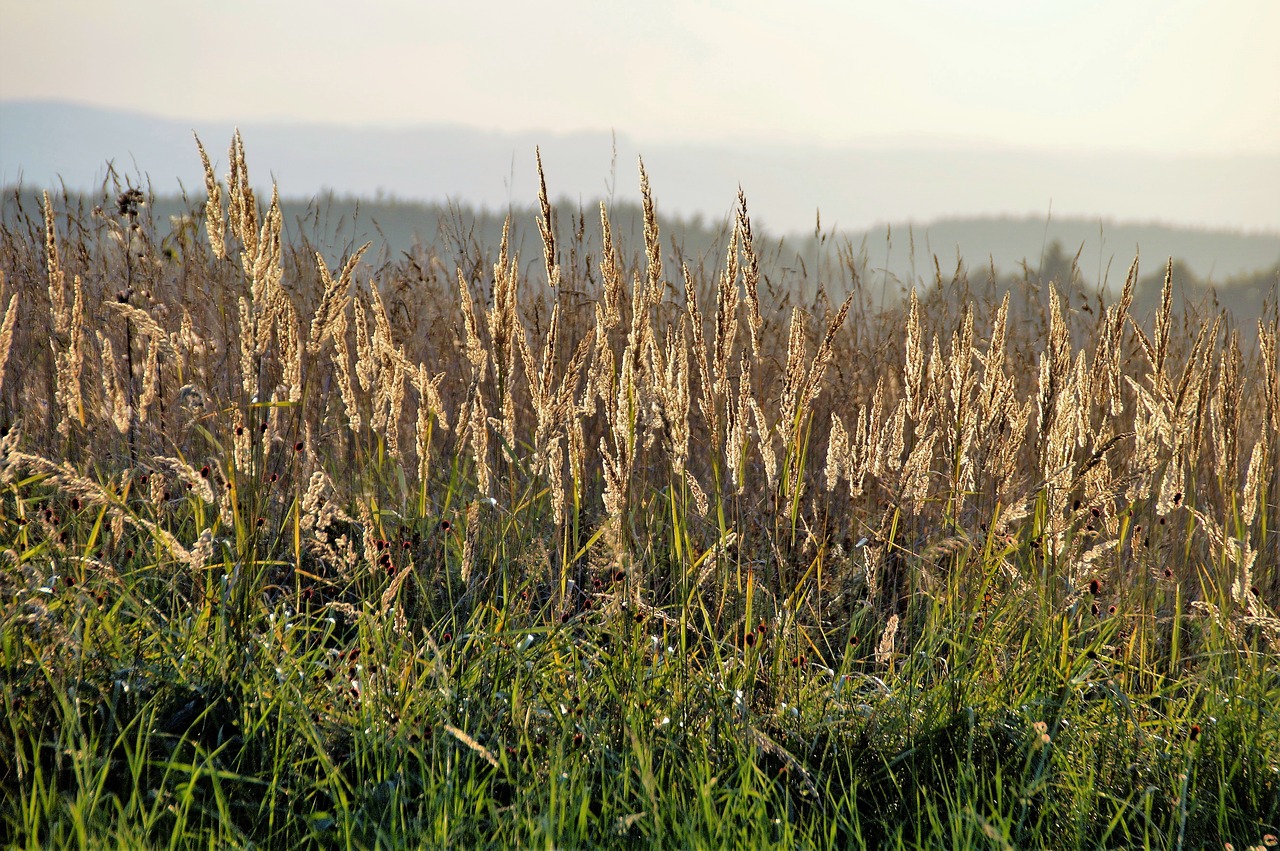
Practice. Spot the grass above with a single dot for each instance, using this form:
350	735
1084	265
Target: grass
610	551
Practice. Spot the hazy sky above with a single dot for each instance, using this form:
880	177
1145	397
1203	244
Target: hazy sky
1161	76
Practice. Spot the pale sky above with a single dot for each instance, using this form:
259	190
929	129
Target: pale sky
1157	76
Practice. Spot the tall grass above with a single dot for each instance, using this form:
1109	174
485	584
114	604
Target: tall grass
615	549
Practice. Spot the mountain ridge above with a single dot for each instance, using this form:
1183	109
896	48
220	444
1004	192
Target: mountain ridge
937	196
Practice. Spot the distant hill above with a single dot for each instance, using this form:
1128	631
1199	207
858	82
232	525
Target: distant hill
985	203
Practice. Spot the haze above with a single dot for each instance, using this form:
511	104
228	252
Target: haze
1161	80
1158	76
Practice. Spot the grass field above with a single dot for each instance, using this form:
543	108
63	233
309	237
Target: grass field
603	549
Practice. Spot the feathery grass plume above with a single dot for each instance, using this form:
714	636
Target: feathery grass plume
726	319
555	454
319	509
70	364
393	590
213	206
69	324
333	299
793	379
288	337
1225	414
540	379
838	453
670	371
764	437
366	361
1254	479
467	570
150	378
999	418
1055	371
242	207
430	410
867	446
143	322
7	325
1269	355
913	367
472	744
1156	347
115	402
198	484
963	412
478	433
933	387
652	244
57	277
1111	342
885	647
700	503
707	402
248	349
624	411
1195	388
750	274
475	350
913	482
826	350
546	227
504	326
264	270
609	309
341	358
394	394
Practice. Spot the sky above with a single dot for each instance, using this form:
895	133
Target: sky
1163	77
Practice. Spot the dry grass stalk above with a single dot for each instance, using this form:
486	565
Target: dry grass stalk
472	744
213	207
7	325
332	300
750	275
885	647
114	400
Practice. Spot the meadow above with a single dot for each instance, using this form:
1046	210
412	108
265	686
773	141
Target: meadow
618	547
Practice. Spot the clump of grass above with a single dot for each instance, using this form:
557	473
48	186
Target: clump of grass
326	557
